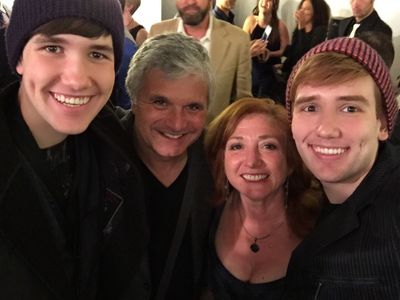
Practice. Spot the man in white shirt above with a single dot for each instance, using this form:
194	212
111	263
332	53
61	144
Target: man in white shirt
227	45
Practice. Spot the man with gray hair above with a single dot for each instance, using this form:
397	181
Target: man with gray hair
169	81
228	47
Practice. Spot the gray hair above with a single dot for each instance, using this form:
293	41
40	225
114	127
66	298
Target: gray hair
174	54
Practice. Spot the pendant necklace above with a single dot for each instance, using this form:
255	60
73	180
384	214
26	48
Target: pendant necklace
254	247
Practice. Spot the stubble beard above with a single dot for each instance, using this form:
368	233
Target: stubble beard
193	20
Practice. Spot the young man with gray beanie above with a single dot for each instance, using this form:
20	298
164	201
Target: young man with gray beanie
342	105
65	177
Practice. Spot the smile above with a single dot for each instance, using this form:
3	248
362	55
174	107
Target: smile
71	101
254	177
174	136
329	151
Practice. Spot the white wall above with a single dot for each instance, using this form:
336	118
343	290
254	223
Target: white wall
148	13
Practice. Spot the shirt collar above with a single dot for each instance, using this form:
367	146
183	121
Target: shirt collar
206	37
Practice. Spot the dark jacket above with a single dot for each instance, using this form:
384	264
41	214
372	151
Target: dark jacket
302	41
33	256
195	212
353	252
371	23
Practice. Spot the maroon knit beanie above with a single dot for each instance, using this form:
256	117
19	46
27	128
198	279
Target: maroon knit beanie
363	54
27	15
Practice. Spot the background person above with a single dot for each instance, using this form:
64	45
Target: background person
137	30
269	36
227	45
223	10
312	18
365	18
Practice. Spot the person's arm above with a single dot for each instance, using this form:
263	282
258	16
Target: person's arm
249	23
141	37
257	47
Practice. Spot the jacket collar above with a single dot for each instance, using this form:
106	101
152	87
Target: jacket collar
330	229
25	221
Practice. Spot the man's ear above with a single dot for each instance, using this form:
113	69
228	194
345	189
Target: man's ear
383	134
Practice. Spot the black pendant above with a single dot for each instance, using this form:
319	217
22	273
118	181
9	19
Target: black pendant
254	247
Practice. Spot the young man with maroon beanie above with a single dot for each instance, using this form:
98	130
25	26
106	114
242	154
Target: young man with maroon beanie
342	105
66	182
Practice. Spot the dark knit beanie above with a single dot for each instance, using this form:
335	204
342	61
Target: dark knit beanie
363	54
28	15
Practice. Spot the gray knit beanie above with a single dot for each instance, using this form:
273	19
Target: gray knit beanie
28	15
366	56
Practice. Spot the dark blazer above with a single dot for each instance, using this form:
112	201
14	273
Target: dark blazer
353	252
196	212
371	23
33	256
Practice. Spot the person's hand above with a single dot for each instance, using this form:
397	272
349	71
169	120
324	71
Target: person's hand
258	47
264	56
300	19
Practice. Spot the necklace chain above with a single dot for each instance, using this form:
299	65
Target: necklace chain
245	229
254	246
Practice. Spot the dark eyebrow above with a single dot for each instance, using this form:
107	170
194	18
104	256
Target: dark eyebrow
354	98
42	39
302	100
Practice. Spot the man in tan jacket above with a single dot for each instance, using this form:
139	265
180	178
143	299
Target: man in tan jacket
227	45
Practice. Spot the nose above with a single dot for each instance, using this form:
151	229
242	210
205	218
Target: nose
176	119
253	157
327	126
76	74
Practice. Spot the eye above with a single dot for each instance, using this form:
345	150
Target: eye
234	146
160	103
97	55
53	49
195	107
269	146
309	108
350	109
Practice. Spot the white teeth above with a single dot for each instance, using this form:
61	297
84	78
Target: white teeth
173	136
329	151
71	101
257	177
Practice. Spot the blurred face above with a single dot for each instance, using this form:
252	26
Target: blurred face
255	158
228	4
169	114
337	130
307	11
265	6
361	8
193	12
66	80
